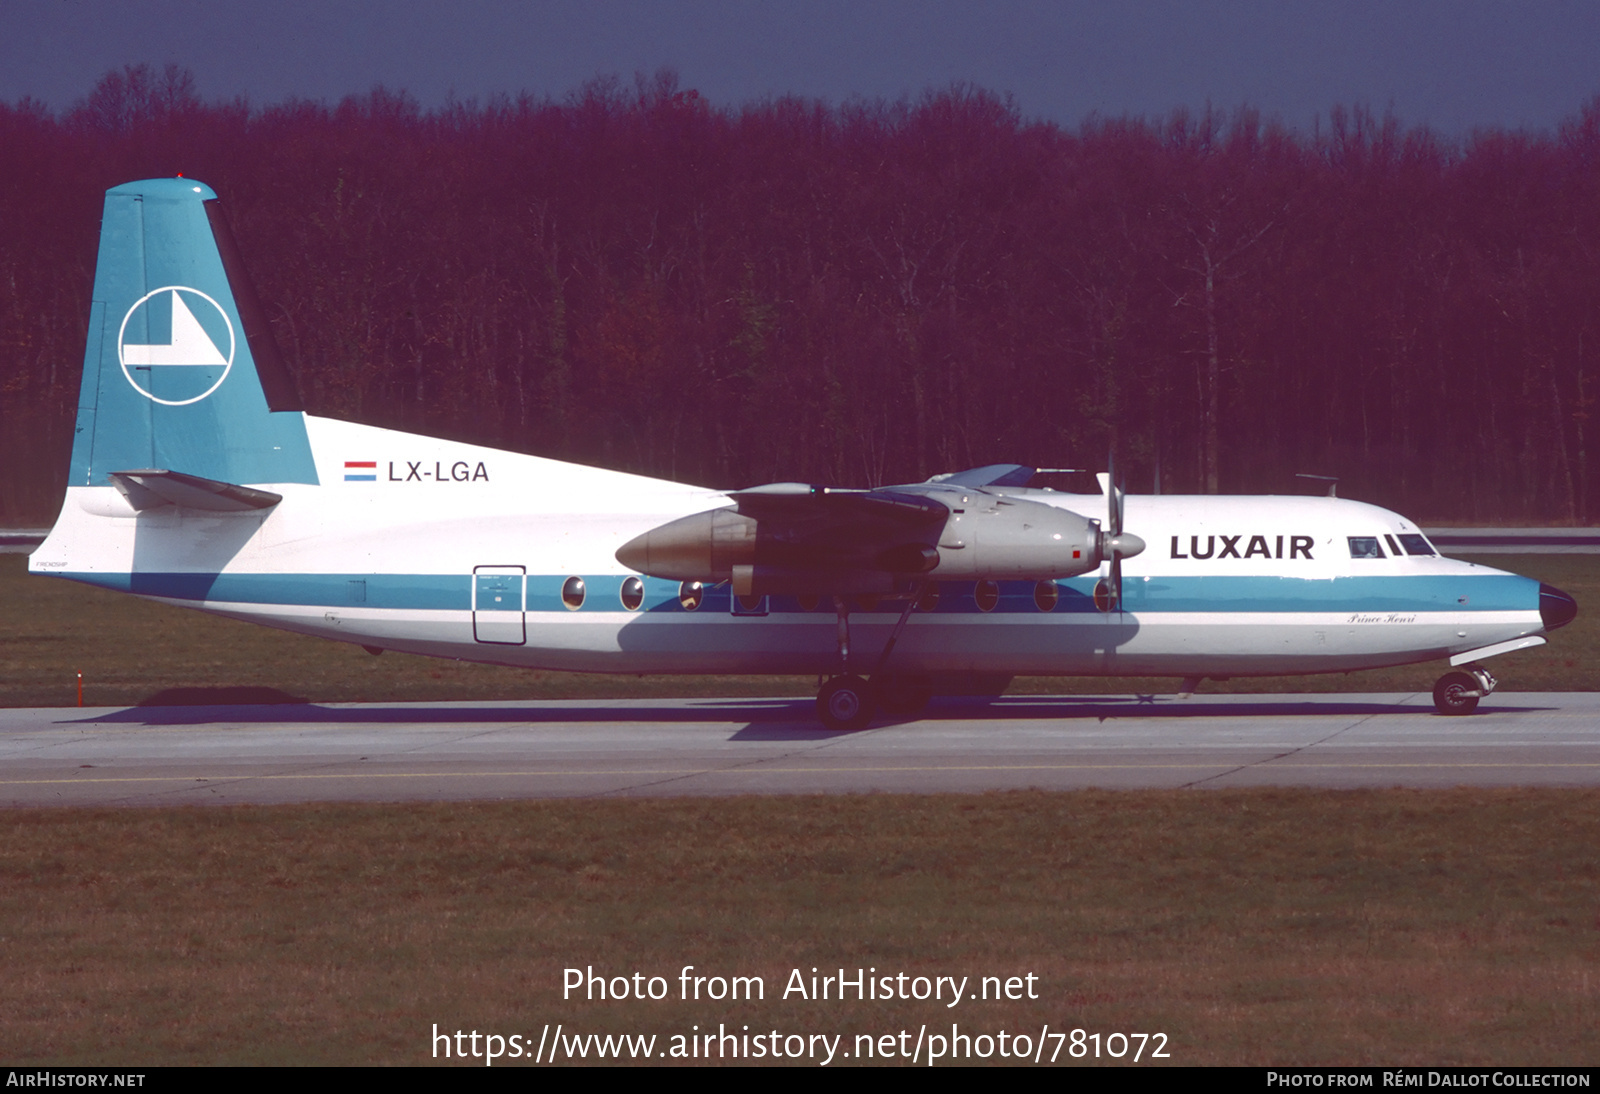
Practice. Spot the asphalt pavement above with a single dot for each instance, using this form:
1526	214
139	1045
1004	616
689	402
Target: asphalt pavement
557	749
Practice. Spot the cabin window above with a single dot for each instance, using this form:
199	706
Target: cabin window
690	594
632	594
572	593
987	594
1365	547
1416	545
1045	595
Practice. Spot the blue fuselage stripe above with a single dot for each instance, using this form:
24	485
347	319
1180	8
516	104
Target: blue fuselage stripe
453	592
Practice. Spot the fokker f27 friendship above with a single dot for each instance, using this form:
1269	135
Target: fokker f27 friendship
198	480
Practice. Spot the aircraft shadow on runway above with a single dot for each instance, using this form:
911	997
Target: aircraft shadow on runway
768	719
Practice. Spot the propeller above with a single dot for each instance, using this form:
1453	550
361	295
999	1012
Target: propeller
1115	544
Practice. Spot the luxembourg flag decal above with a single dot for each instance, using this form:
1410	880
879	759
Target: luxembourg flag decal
360	470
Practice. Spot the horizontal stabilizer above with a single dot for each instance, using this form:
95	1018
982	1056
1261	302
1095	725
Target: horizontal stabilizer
150	489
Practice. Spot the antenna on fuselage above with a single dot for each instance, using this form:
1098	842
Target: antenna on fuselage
1331	480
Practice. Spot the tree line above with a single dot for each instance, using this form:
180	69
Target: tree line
864	293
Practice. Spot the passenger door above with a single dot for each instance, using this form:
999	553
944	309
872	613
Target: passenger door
497	605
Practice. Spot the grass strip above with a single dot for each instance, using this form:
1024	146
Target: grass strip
1250	926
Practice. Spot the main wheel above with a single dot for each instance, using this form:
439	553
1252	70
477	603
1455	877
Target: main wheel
845	702
1457	693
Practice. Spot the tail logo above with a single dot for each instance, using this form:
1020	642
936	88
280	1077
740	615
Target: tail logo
189	360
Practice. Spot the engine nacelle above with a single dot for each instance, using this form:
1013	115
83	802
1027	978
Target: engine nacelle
702	547
1009	537
985	536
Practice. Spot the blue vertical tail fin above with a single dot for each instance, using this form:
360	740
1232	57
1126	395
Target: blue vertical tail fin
180	372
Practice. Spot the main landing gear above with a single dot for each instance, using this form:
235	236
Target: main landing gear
845	702
849	702
1458	692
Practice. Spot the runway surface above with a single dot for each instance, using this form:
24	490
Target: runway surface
459	751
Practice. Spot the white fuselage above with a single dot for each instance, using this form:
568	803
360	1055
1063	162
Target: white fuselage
433	547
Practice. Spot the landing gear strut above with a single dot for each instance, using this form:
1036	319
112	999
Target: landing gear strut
1458	692
847	702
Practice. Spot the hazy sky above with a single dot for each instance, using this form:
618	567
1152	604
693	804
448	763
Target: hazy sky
1454	65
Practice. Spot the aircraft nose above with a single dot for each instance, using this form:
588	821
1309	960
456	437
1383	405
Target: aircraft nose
1556	608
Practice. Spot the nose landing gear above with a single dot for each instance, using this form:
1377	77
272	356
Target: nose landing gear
1459	692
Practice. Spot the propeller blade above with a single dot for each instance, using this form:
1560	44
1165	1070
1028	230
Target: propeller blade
1114	494
1115	544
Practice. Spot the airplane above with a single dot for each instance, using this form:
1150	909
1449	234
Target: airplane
197	479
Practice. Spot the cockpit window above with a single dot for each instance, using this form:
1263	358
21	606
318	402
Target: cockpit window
1365	547
1416	545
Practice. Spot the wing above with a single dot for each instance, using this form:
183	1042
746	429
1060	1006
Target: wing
794	537
994	474
800	538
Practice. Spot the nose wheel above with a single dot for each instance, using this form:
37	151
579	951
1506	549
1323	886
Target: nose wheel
1459	692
